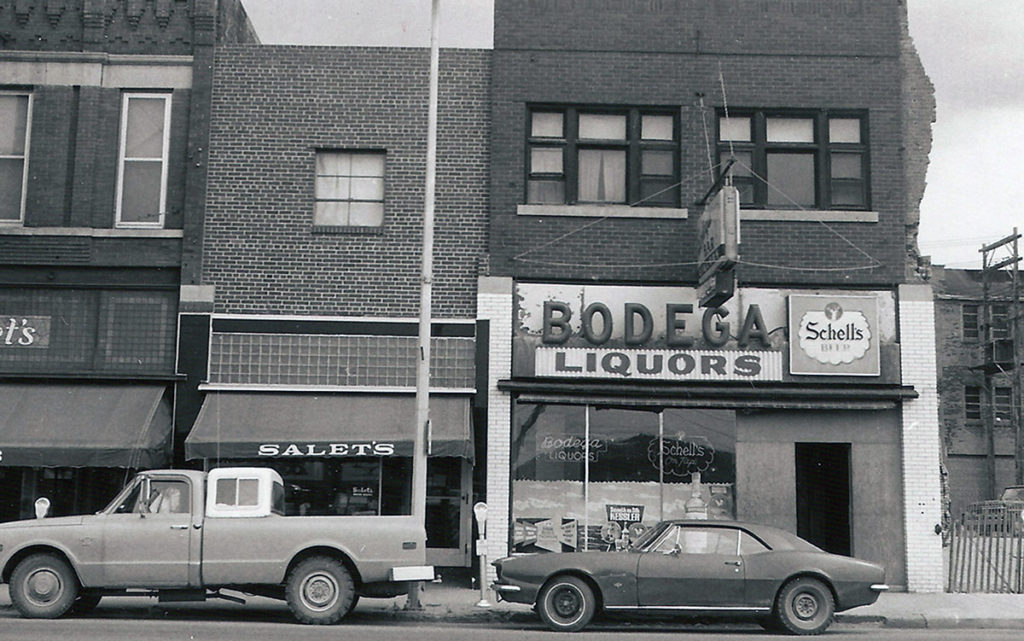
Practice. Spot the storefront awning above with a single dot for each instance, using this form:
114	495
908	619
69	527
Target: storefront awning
253	425
84	425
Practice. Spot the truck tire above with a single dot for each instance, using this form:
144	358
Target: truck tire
43	586
319	591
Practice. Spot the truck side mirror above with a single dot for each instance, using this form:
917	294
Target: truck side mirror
42	506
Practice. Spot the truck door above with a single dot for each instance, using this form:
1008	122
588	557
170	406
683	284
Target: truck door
146	541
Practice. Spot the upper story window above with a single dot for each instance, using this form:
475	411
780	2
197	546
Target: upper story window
972	403
15	125
1002	397
142	159
969	315
797	160
584	156
349	189
1000	320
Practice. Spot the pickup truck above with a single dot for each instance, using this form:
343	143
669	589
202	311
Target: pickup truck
185	535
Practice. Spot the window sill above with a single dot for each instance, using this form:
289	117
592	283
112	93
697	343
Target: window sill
348	229
602	211
810	215
11	230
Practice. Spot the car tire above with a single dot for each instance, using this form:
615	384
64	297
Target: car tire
566	604
804	606
43	586
319	591
85	603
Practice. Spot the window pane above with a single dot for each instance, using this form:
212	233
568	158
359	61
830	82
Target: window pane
844	130
368	189
546	124
846	166
602	176
366	214
11	172
248	491
750	545
368	165
790	180
333	164
13	123
848	193
333	187
742	165
972	403
546	192
657	163
736	129
790	130
548	451
331	213
656	127
225	492
970	322
658	191
602	126
546	160
140	196
144	136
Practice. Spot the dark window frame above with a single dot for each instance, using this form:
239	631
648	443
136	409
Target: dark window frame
970	317
320	227
755	192
972	403
634	145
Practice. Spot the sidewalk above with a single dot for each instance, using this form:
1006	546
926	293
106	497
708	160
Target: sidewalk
454	602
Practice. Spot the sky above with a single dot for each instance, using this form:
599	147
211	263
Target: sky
972	51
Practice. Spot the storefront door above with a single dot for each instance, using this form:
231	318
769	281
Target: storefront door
823	495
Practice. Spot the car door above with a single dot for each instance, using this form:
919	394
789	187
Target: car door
146	540
692	566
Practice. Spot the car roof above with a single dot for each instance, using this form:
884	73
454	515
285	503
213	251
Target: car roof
775	538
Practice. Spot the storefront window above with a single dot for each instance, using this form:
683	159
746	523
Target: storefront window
590	477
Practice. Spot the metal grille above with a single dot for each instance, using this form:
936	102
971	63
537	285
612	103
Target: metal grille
336	360
987	548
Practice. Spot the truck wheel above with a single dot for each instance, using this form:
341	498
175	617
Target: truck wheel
566	604
319	591
43	587
804	606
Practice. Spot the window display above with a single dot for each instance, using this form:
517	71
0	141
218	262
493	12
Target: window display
592	477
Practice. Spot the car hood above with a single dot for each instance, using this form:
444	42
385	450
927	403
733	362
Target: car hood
38	523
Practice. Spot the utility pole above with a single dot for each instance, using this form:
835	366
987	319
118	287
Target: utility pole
1003	355
421	443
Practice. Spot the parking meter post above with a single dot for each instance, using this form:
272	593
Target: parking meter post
480	512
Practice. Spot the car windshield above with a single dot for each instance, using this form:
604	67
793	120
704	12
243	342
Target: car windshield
1013	494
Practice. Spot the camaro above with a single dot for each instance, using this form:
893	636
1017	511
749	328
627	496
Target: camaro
698	568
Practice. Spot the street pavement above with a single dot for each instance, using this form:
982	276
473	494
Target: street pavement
455	602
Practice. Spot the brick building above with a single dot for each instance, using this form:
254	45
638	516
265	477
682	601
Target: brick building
979	462
103	126
299	341
806	400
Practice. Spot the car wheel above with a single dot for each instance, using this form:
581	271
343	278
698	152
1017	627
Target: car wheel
319	591
43	586
566	604
804	606
85	603
355	602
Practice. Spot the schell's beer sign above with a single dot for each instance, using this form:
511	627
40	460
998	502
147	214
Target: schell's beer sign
636	333
834	335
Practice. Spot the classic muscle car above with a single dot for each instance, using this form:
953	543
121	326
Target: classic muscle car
698	568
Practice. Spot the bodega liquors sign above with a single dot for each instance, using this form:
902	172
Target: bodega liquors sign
833	335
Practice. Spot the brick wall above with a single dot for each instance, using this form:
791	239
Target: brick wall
494	304
921	448
273	107
770	54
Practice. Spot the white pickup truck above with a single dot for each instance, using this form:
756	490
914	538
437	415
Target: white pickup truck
183	535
